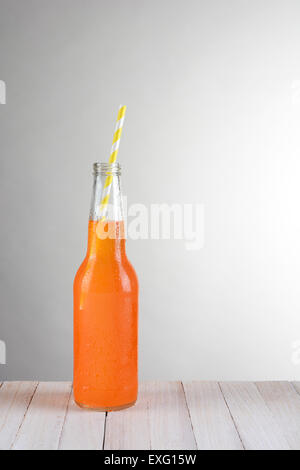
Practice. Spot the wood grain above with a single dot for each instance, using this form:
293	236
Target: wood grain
167	416
15	398
254	421
43	422
83	429
213	426
169	420
284	403
129	429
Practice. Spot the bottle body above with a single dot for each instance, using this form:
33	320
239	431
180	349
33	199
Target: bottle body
106	322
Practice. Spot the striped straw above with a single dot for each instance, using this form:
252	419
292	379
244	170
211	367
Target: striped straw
112	159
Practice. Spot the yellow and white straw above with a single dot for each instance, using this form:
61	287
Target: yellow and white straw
112	159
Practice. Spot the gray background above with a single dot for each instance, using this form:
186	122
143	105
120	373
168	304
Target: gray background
213	96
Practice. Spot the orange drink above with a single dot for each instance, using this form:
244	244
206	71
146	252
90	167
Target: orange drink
106	311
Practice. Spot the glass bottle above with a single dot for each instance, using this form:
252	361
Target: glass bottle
106	306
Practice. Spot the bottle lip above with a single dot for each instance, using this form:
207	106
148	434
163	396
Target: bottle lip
106	168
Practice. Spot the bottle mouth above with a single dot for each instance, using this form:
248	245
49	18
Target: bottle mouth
107	169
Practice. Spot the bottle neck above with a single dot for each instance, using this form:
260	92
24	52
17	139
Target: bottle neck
106	238
106	203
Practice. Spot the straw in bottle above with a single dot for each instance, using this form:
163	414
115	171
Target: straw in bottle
112	159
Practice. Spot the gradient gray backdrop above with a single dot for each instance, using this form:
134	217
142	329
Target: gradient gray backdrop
213	96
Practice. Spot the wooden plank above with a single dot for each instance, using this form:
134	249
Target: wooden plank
284	403
213	426
83	429
169	420
15	398
254	421
42	426
129	429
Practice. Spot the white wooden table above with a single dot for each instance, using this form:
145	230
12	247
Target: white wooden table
168	415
